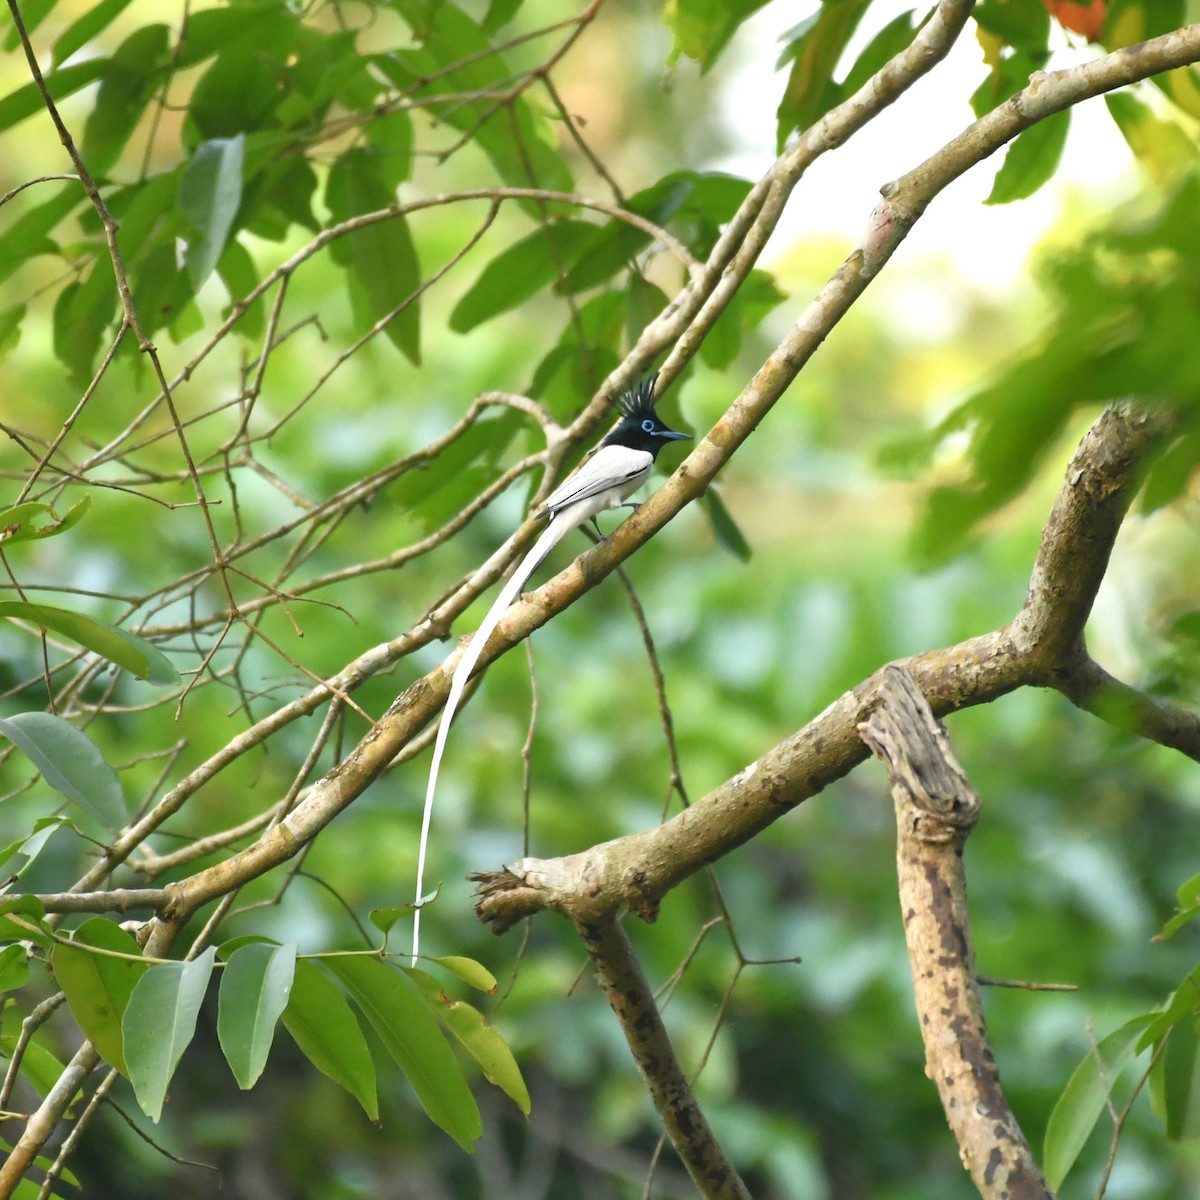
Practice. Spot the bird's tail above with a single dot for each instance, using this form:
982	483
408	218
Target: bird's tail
462	672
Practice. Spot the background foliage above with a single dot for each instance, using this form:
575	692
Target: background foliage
892	504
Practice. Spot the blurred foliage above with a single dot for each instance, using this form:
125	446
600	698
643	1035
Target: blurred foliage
311	363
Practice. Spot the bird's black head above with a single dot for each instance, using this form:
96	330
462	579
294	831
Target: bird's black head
640	428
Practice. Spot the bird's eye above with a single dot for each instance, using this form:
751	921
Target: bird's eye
647	426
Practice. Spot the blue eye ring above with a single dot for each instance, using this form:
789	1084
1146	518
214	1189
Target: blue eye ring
647	426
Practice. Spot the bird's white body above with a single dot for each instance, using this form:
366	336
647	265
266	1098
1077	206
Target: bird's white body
605	480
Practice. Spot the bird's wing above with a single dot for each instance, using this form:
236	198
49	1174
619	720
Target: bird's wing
610	467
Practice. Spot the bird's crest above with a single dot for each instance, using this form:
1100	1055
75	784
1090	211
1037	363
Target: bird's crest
638	401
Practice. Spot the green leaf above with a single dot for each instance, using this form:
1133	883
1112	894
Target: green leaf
391	137
456	58
243	87
159	1022
754	300
384	918
327	1032
83	314
32	844
703	28
14	968
17	522
725	528
1175	1083
499	13
39	1066
1188	898
1163	147
401	1018
23	919
472	973
129	82
138	656
27	100
33	13
1084	1099
1183	1005
210	191
891	40
814	49
70	763
10	329
380	259
254	992
95	19
98	986
478	1038
520	272
1031	159
28	236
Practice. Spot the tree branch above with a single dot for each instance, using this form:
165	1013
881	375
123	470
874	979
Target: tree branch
936	809
625	988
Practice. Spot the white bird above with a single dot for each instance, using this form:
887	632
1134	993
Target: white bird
620	465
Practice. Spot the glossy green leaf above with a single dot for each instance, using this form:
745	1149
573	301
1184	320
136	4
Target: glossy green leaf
138	656
98	986
70	763
400	1016
1084	1099
210	191
380	259
1031	159
520	272
158	1024
326	1030
95	19
20	523
478	1038
14	968
255	987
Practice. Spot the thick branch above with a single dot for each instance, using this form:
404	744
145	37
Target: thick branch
936	809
